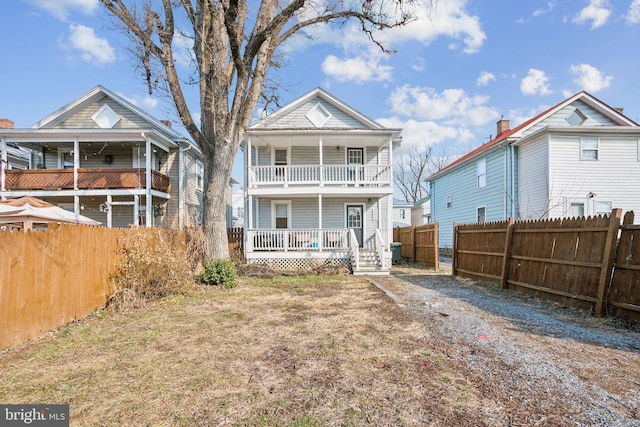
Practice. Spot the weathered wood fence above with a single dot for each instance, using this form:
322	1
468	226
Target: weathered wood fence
572	261
419	243
235	236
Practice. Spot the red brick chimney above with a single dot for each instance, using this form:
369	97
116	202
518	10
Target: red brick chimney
6	124
167	123
502	125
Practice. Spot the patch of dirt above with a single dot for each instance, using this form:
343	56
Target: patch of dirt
535	362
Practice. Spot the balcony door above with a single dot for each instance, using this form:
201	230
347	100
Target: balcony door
355	160
280	161
355	221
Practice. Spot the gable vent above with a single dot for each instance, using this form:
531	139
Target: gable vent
318	115
105	117
576	118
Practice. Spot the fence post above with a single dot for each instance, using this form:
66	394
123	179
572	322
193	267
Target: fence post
608	258
504	275
413	239
454	250
436	248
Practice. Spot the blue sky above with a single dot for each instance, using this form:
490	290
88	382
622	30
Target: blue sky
460	67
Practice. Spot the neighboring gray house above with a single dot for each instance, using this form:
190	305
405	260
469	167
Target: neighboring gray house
578	158
319	187
104	158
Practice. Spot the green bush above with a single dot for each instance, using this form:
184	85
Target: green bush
219	272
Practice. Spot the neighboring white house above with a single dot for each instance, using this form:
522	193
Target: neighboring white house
319	187
102	157
401	213
581	157
421	211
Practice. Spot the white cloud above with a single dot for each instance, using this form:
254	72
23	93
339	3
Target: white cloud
443	19
597	12
358	69
61	8
485	78
420	134
536	83
633	16
144	102
452	106
91	47
590	78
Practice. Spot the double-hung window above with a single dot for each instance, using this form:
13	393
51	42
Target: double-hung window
481	214
199	175
589	148
481	173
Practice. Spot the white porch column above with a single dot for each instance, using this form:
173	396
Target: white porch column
247	164
109	213
3	163
147	187
321	163
136	209
76	166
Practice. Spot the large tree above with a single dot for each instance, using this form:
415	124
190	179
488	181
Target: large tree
234	46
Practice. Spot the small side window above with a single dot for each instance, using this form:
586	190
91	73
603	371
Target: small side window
448	201
199	175
481	214
589	148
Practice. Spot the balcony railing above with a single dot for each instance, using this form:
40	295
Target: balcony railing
357	175
53	179
298	240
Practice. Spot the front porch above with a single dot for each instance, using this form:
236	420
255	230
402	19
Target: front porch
300	249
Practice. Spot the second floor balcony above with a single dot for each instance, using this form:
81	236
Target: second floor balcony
103	178
320	175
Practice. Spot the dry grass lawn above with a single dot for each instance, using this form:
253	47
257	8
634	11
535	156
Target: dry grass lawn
287	351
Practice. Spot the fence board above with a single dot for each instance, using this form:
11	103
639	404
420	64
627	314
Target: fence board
566	260
50	277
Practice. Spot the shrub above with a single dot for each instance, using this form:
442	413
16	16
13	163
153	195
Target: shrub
219	272
154	264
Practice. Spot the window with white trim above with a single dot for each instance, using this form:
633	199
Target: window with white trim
448	201
281	159
602	207
281	212
481	214
576	209
199	175
589	148
481	173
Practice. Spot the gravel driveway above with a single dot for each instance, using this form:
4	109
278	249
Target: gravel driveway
535	362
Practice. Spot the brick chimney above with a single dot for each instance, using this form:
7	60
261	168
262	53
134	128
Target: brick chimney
6	124
502	125
167	123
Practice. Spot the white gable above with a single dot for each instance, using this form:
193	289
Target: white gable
316	110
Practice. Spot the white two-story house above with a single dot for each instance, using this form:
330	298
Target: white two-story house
319	187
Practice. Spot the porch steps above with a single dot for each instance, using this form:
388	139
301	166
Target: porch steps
370	264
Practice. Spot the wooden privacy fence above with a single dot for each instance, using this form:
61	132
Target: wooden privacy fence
50	277
567	260
419	243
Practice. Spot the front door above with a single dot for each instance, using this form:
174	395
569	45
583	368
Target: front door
355	221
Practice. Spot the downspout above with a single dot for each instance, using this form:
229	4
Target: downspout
504	178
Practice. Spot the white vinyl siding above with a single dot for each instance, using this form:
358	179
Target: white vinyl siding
589	148
533	179
573	179
594	118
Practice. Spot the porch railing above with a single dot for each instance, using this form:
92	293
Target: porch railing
50	179
320	175
297	240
